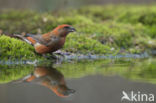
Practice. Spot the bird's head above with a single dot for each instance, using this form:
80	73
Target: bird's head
62	90
63	30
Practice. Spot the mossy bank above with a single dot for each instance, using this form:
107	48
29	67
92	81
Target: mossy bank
109	29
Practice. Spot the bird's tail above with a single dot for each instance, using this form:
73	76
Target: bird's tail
24	79
21	37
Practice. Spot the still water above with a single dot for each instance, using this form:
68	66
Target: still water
85	81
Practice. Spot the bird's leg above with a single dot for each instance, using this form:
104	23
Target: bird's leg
59	57
53	56
49	56
44	55
60	53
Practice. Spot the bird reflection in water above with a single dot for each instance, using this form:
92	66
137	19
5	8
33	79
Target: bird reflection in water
50	78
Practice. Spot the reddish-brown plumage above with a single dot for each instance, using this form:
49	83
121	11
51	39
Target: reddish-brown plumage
41	49
30	78
51	41
31	40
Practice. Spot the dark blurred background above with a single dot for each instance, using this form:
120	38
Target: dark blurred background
55	4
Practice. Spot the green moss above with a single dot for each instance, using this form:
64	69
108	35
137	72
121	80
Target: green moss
14	49
151	31
81	43
143	14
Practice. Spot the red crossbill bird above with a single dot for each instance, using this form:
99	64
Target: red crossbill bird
48	42
50	78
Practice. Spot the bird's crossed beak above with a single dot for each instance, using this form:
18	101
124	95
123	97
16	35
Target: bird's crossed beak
71	29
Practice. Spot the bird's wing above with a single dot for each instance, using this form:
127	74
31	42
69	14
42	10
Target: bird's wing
35	39
22	38
24	79
53	41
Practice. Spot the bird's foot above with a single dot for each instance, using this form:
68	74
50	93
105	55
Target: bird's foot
59	53
51	56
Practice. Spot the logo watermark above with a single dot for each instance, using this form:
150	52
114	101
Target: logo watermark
137	97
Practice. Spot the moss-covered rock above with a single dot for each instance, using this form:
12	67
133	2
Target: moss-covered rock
82	44
14	49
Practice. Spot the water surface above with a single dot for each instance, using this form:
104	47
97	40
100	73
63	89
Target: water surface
85	81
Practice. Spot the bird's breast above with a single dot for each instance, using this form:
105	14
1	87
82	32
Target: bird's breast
42	49
62	41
